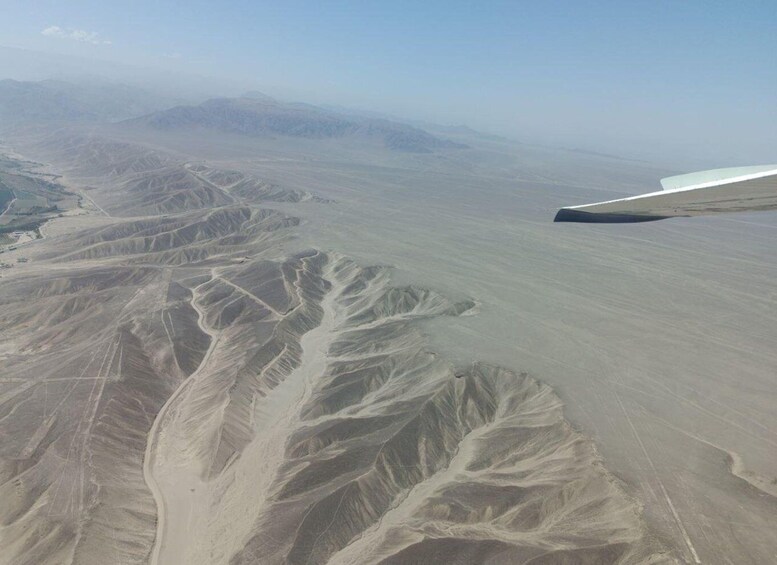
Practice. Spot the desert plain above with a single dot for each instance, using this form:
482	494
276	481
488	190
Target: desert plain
227	347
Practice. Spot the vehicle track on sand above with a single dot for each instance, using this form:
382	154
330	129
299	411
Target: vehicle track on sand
681	527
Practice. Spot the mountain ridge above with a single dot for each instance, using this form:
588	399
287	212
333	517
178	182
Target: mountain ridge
257	116
56	100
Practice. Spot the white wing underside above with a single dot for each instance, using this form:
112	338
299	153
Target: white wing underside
717	191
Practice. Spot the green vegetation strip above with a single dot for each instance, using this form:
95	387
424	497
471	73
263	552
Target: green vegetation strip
6	196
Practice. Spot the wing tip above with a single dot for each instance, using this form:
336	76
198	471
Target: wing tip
572	215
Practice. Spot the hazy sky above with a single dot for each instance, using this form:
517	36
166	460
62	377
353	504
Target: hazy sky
653	77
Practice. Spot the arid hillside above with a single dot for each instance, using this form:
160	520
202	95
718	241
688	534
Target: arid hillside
178	388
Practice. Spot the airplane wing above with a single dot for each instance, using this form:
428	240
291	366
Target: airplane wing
738	189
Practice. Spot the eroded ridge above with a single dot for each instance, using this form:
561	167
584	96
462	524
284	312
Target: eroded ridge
185	239
368	448
248	187
279	411
258	315
91	356
129	179
177	389
91	349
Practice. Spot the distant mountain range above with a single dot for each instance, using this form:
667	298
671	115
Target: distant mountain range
253	114
259	115
53	100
